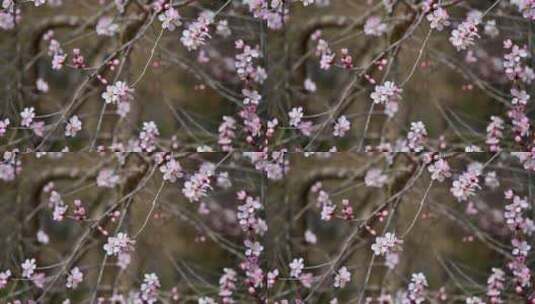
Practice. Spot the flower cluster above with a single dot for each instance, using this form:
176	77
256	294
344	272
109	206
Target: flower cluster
197	186
386	244
388	95
438	19
227	285
149	288
466	184
172	170
494	133
464	35
74	278
197	32
170	19
416	289
117	93
440	170
118	244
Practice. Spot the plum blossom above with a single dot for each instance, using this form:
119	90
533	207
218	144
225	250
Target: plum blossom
107	178
416	136
513	65
74	278
27	115
4	277
106	27
325	53
310	237
342	277
385	244
227	285
59	211
327	211
227	133
38	2
490	29
526	7
251	97
416	290
388	95
197	32
118	244
465	185
296	115
4	124
375	178
310	86
296	267
245	63
248	214
206	300
474	300
495	285
28	268
148	136
494	133
374	26
58	60
392	259
172	170
73	126
253	248
438	19
170	19
440	170
42	237
118	92
38	128
149	288
341	126
272	277
464	35
198	184
38	279
223	29
41	85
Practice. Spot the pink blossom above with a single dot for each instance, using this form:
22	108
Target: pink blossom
389	95
438	18
27	115
342	277
172	170
28	268
440	170
341	126
107	178
464	35
149	288
197	32
374	26
227	285
385	244
4	277
74	278
106	27
296	267
121	243
4	124
170	19
465	185
73	126
375	178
